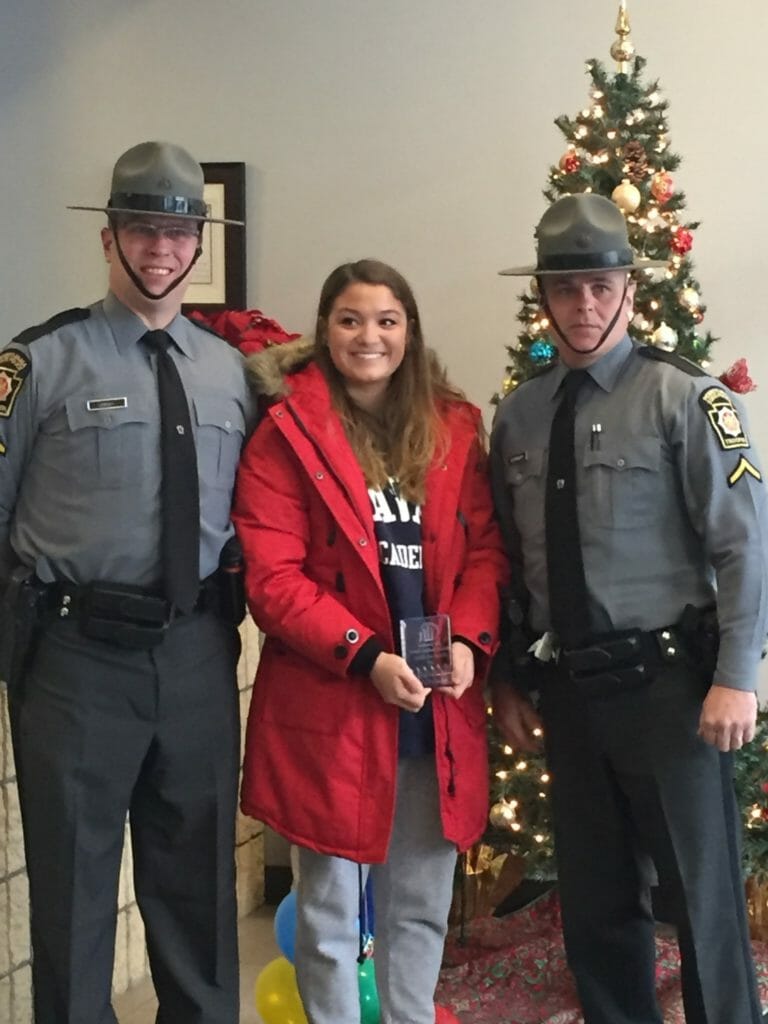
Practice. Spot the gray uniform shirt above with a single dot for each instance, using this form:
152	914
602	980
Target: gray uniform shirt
668	513
80	465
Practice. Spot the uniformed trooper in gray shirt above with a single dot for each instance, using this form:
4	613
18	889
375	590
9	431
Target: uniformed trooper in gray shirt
640	713
121	699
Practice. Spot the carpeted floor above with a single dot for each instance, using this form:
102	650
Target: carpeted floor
512	970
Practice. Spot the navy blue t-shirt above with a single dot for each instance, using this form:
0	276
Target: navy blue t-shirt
397	525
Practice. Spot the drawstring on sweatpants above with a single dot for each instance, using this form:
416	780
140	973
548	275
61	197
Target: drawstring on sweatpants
362	917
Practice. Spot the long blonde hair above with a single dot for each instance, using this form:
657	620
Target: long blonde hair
403	441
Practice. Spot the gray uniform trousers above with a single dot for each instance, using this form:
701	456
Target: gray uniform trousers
633	783
411	897
100	731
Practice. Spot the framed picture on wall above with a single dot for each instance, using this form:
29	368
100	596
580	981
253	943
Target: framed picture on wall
217	280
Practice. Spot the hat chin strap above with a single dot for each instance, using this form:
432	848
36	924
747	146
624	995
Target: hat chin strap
561	334
135	278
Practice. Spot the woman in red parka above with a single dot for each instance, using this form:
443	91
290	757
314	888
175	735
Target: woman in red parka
362	500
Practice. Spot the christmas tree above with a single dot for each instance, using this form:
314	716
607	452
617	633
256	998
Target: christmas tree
617	146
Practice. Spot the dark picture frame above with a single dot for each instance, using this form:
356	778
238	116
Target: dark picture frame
218	280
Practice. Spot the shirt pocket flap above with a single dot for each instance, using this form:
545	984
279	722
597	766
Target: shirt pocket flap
106	413
630	453
219	411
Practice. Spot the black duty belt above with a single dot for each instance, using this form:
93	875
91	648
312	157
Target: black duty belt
625	660
118	613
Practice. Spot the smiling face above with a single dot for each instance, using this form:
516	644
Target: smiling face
583	305
158	250
366	333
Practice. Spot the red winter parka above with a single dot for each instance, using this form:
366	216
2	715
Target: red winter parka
321	746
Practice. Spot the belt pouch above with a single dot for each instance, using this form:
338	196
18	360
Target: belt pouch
123	615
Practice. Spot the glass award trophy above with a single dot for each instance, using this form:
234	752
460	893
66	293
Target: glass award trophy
425	643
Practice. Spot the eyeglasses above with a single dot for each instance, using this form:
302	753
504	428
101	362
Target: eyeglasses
145	231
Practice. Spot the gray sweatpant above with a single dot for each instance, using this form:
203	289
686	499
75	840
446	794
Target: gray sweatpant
412	896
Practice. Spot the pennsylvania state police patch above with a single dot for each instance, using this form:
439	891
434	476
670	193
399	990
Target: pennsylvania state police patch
14	367
723	418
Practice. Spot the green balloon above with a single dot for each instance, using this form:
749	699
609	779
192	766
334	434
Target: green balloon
369	996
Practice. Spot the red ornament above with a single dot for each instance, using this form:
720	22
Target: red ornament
681	241
570	162
737	378
662	187
246	329
763	785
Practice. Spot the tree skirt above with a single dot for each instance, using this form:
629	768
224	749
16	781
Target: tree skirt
512	970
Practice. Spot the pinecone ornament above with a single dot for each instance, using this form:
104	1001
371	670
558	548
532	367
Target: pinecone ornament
635	161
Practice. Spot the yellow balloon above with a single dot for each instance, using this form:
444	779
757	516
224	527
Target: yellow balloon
277	997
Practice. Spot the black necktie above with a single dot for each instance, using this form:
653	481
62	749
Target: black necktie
180	490
568	604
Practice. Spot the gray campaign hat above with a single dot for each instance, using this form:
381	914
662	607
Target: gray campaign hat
158	178
582	232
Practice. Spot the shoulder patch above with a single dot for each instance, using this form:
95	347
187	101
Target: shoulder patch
651	352
14	367
723	418
68	316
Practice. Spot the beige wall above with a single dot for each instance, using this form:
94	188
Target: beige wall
130	953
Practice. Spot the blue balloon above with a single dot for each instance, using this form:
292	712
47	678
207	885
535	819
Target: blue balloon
285	926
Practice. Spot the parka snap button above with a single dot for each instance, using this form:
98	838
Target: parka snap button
352	636
319	475
621	463
362	542
485	638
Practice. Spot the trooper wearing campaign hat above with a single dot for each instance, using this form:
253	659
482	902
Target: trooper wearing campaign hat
121	425
633	503
157	179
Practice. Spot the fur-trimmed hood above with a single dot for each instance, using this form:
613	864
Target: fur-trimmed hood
268	369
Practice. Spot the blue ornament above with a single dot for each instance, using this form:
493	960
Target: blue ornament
541	351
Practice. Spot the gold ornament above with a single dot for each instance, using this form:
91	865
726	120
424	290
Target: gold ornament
502	815
689	297
533	287
623	49
626	196
509	384
664	338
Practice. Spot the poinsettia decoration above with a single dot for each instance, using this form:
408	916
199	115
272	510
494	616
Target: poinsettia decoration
246	329
737	378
